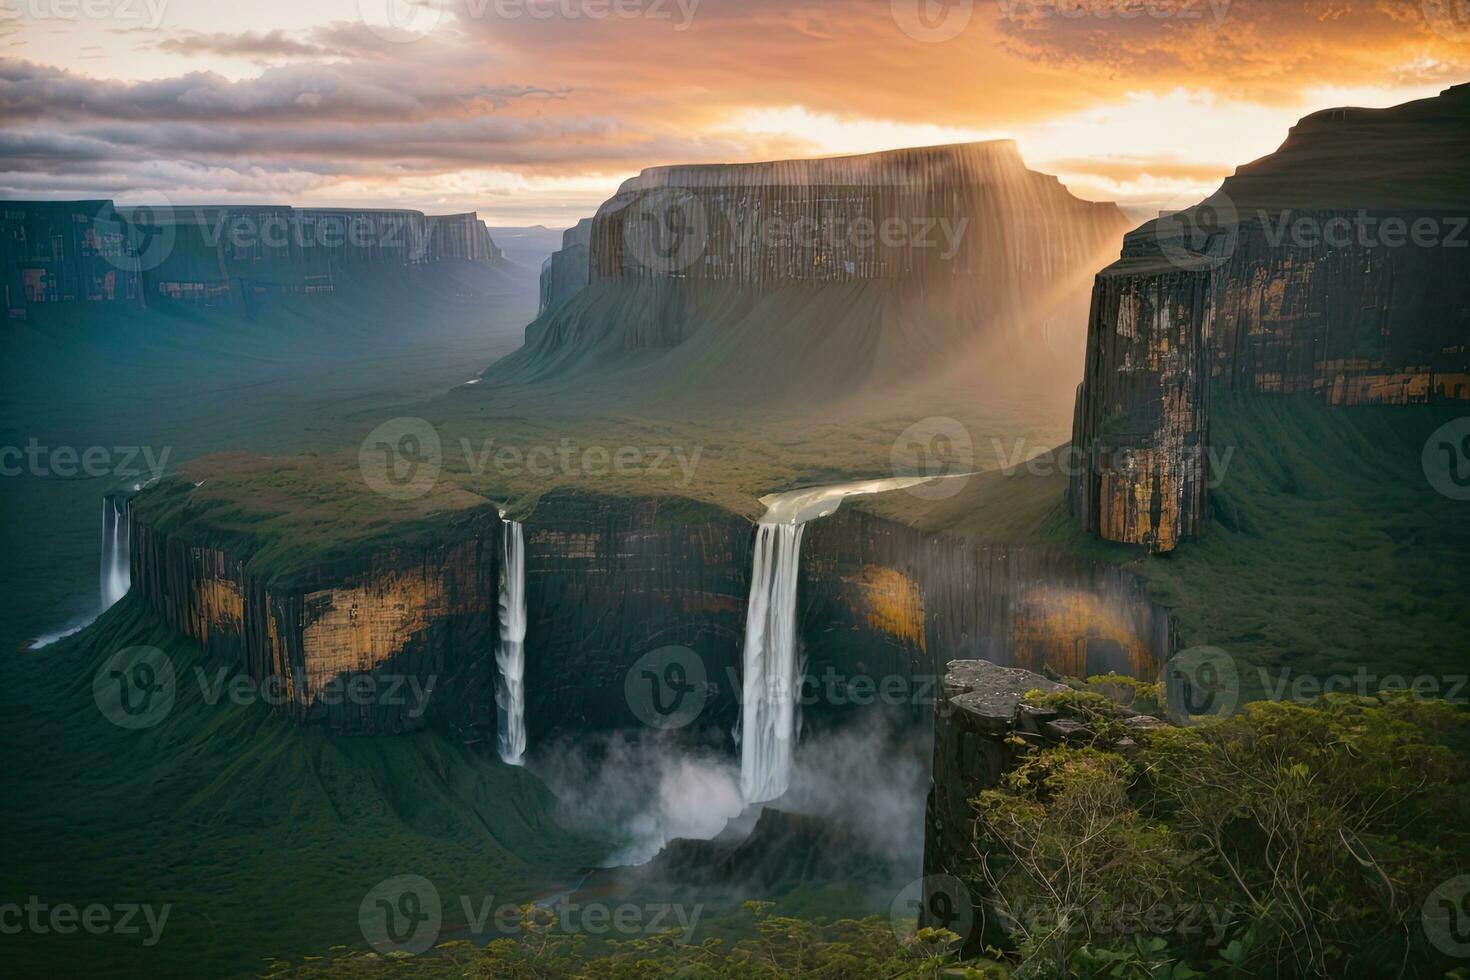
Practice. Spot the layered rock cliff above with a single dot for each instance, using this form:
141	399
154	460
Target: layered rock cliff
380	644
1339	267
611	579
807	277
223	256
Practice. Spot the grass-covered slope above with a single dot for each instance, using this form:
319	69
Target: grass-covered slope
288	510
264	836
1328	549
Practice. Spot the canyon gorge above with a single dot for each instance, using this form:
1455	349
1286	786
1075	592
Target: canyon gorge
833	341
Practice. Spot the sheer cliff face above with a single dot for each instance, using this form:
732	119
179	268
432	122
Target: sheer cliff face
567	270
90	251
1338	267
1142	411
971	211
377	645
610	580
888	265
48	256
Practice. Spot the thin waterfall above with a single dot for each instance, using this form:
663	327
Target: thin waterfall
510	655
770	717
116	577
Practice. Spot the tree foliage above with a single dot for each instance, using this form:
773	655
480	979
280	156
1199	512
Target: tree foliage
1288	840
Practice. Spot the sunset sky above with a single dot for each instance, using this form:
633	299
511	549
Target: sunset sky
532	111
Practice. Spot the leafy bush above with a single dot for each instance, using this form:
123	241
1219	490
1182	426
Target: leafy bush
1290	839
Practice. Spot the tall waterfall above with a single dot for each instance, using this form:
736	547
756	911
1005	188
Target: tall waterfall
510	655
770	718
770	715
115	576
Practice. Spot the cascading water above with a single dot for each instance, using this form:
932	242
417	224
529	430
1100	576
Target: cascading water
510	655
114	577
115	574
769	715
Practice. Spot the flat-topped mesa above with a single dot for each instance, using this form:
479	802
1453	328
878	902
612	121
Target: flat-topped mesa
1338	266
212	254
966	209
804	282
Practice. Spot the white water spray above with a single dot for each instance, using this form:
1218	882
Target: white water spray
510	655
116	576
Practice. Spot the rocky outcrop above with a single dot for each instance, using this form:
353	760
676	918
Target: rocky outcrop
218	256
567	270
781	849
980	714
1142	417
1337	267
461	236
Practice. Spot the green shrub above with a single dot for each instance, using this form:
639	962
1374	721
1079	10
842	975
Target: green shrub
1290	840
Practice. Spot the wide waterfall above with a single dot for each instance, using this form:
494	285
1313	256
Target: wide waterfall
769	716
115	576
510	655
